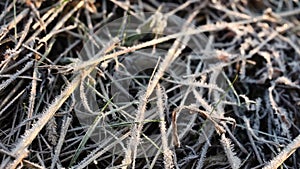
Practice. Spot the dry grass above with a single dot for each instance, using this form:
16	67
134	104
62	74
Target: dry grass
193	84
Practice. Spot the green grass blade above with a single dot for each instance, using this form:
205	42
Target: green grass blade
88	134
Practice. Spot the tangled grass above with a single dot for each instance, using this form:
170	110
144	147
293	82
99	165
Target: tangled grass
185	84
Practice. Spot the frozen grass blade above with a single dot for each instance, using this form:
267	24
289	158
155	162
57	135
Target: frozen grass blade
64	129
284	154
259	40
20	150
234	161
4	84
168	159
22	145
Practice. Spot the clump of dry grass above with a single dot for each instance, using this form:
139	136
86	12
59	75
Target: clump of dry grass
231	100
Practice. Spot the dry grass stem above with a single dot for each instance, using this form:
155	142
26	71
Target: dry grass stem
149	84
284	154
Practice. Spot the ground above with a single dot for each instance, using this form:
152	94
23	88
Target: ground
149	84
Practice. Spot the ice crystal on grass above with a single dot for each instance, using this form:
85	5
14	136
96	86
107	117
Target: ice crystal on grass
238	86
